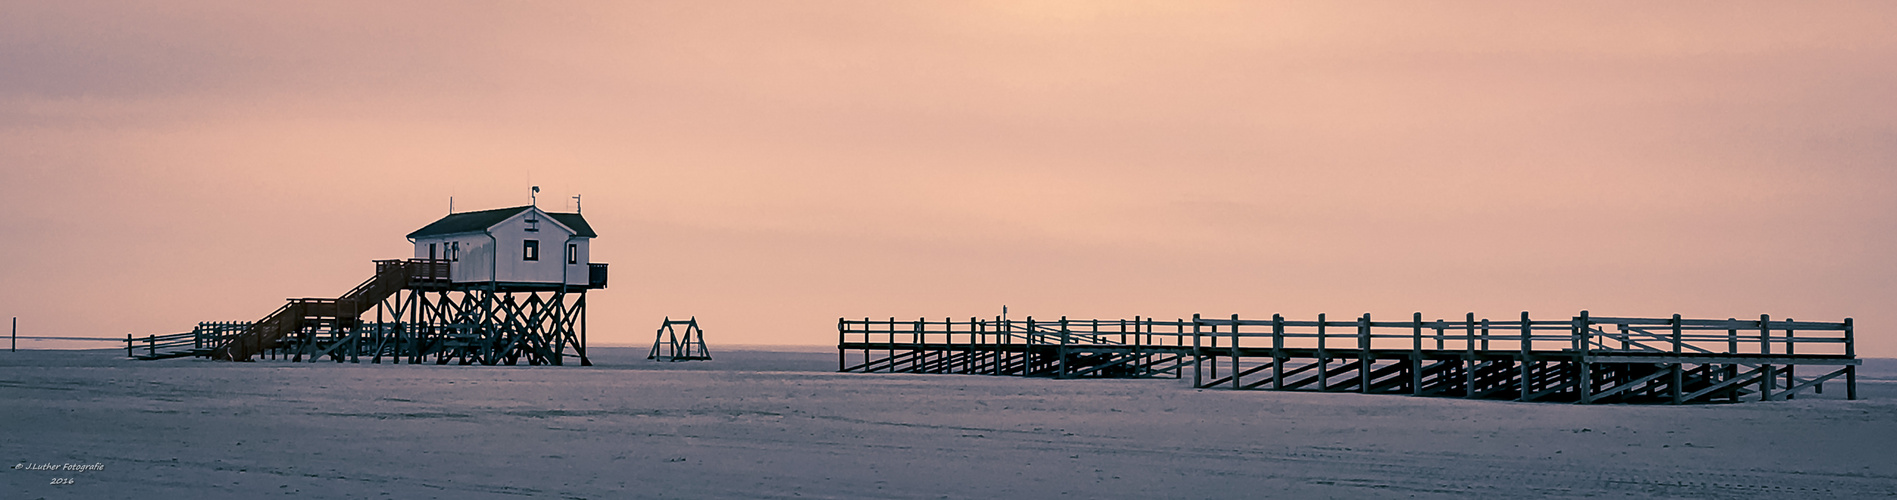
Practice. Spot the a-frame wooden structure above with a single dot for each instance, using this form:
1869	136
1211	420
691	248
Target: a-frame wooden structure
673	345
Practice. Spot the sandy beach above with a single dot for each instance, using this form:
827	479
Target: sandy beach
780	424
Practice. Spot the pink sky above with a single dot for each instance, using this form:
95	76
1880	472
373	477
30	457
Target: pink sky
771	166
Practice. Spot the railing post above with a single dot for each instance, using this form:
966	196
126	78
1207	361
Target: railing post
128	345
1677	341
1002	331
1063	348
1585	383
1469	362
1323	355
1679	376
1850	371
968	352
1027	352
1791	349
1416	354
151	345
1277	351
1485	335
1364	358
1198	372
1137	343
1235	370
1439	334
1765	348
1211	350
1528	340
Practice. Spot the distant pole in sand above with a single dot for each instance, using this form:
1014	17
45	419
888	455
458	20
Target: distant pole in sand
15	346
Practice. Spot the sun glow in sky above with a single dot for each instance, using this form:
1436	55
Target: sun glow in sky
769	167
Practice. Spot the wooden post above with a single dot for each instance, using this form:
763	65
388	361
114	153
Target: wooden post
1850	371
1485	335
1416	354
1439	334
128	345
1469	362
1791	349
1732	347
15	346
1765	347
1063	349
1364	358
968	353
1137	343
1585	381
1198	376
1528	340
1277	351
1235	370
1212	339
842	354
581	349
1323	357
355	334
558	353
1179	339
1678	368
151	345
1003	331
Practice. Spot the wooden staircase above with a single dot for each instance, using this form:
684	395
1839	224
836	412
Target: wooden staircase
391	276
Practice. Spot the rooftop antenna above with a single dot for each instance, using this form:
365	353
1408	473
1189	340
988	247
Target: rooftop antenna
576	203
450	205
535	197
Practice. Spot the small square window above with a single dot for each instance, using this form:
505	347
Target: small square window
530	250
572	253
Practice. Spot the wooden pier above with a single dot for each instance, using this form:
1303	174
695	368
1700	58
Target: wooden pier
1581	359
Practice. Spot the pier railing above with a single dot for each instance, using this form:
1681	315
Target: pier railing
1583	357
1583	334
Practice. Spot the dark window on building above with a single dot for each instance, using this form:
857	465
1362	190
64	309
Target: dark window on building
431	251
454	251
572	253
530	250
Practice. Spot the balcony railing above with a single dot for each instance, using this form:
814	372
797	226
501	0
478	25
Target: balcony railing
596	276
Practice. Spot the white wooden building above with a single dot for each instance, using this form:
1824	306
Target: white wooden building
513	248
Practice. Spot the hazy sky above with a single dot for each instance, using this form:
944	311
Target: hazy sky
772	166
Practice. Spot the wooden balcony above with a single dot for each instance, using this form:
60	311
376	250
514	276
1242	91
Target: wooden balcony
596	276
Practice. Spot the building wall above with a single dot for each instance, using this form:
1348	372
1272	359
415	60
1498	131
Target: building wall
501	258
470	262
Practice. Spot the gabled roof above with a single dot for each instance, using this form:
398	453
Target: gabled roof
469	222
576	223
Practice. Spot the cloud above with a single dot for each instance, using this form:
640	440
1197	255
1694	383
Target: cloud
809	160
